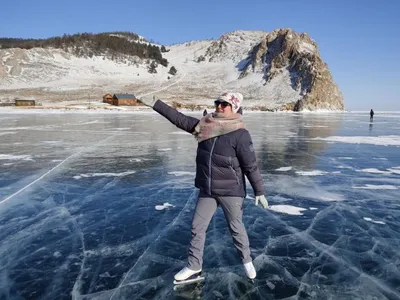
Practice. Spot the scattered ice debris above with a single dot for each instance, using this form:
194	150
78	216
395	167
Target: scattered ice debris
106	275
283	169
270	285
135	160
218	295
373	221
164	206
57	254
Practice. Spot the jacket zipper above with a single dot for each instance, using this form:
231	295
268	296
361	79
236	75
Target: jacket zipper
209	166
234	174
233	170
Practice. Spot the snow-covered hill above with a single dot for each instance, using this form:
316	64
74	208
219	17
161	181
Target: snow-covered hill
276	70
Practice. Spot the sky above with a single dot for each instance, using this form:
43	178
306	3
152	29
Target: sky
358	39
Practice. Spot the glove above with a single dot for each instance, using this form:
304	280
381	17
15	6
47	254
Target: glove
148	101
262	200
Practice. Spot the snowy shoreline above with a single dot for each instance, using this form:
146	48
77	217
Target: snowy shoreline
145	110
136	109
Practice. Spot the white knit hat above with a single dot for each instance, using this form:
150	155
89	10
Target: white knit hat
234	99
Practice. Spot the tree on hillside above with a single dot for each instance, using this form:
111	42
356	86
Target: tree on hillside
152	68
173	70
112	45
200	58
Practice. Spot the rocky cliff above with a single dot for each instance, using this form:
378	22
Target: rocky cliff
286	50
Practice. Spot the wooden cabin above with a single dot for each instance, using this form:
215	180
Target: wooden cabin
108	98
23	102
125	99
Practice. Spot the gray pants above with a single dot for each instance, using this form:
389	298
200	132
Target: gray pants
205	209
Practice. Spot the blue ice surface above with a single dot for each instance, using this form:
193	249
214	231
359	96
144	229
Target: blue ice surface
78	217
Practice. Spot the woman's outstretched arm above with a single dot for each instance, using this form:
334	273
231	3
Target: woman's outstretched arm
180	120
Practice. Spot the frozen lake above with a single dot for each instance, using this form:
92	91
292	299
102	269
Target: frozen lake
99	206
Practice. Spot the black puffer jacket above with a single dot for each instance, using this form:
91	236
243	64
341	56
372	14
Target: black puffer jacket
221	162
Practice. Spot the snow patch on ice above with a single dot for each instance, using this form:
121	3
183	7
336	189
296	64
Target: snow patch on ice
287	209
345	167
15	157
182	173
104	175
311	173
386	140
283	169
51	142
374	171
373	221
164	206
5	133
394	170
376	187
315	126
328	196
179	133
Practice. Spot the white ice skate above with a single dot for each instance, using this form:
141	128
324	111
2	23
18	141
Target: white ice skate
250	270
187	276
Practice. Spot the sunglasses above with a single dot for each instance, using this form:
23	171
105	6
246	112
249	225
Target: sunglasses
222	103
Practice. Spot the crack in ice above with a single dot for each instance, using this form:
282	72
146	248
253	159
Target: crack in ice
145	251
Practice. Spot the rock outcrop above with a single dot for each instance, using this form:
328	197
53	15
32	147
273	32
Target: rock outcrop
286	50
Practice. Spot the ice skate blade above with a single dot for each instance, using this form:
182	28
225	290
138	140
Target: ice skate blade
189	281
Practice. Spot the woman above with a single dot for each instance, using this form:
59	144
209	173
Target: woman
225	154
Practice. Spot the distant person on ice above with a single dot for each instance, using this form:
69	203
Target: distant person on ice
225	154
371	115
